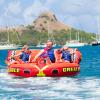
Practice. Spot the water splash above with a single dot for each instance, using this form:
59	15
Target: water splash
44	88
85	86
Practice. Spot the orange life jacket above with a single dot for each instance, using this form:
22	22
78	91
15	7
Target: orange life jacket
58	56
78	56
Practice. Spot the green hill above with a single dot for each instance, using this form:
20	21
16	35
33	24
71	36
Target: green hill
32	37
38	32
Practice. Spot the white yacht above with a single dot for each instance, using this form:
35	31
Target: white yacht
74	43
41	45
50	37
6	45
97	39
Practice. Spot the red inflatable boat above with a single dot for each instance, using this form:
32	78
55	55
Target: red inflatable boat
56	69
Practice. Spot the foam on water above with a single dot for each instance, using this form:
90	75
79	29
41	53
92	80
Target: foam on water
44	88
85	86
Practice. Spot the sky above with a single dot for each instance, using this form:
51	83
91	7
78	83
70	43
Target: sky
80	14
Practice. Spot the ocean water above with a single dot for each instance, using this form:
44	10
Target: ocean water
84	86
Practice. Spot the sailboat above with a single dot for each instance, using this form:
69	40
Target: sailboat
41	45
74	43
50	38
7	45
97	39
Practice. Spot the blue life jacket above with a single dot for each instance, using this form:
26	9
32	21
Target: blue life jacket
24	56
51	55
66	55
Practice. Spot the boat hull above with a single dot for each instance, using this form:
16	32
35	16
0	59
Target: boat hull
96	44
4	47
75	44
51	70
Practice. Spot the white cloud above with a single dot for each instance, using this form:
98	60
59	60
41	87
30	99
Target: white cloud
79	7
68	11
11	14
1	2
33	11
13	8
50	2
78	13
70	7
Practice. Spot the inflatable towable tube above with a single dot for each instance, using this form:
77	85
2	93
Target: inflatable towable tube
57	69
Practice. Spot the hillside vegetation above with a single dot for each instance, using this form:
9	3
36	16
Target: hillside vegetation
38	32
33	37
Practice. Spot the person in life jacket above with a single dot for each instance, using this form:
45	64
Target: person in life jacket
50	51
47	53
58	55
71	50
10	59
24	56
76	56
66	56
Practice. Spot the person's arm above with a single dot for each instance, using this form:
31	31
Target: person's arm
18	55
29	59
37	56
17	58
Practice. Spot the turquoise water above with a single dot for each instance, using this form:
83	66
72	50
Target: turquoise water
85	86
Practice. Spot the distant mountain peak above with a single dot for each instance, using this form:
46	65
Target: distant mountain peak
48	15
48	20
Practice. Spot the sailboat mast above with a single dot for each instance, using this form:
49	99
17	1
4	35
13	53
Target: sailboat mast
7	34
48	31
16	32
70	35
53	38
78	36
7	28
50	34
98	31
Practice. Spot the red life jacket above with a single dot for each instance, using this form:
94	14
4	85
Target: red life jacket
42	58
